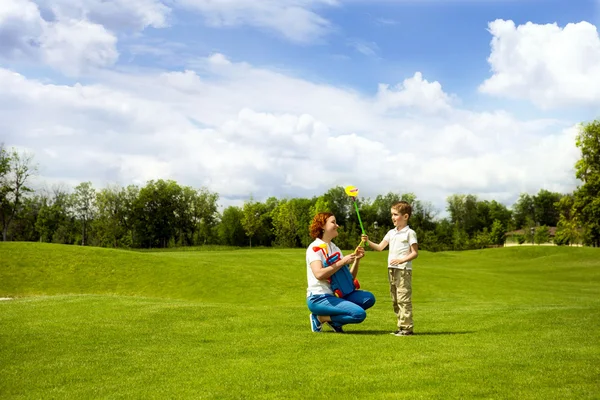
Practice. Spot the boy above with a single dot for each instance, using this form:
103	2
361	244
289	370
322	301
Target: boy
403	249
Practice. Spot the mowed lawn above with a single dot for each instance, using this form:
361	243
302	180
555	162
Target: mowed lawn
90	323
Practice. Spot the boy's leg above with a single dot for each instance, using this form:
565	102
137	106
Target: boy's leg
393	278
404	299
340	311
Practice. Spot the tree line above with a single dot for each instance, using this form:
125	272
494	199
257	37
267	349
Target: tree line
163	213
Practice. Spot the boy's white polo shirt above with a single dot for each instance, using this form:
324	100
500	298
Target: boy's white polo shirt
399	244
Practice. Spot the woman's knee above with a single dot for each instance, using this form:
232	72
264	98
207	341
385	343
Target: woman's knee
369	300
358	316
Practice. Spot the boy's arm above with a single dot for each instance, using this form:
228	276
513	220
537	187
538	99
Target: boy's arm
413	253
379	247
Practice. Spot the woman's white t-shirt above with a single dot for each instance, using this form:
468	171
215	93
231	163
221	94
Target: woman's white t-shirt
316	286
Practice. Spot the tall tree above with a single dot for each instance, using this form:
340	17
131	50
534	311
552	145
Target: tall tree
567	230
230	229
501	213
587	196
251	219
546	212
23	226
497	233
15	170
108	222
524	212
321	205
205	213
463	213
84	206
155	213
53	224
285	223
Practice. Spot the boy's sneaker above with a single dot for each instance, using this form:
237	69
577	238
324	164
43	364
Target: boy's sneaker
315	325
402	333
336	329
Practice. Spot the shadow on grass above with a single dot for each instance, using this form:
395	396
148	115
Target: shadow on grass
374	333
443	333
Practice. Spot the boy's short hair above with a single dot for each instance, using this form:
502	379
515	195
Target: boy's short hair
402	207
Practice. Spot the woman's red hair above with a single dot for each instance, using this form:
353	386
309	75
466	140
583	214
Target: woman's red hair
318	223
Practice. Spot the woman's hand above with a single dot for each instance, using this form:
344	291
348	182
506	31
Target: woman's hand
348	259
360	252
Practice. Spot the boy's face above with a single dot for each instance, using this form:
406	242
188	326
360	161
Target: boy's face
399	220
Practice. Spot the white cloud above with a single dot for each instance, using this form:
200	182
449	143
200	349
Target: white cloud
546	64
296	20
20	26
414	92
369	49
70	46
115	15
239	130
73	46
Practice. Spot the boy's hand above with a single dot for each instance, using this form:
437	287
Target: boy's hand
396	261
364	238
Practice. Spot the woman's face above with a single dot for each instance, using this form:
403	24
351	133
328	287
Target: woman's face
331	227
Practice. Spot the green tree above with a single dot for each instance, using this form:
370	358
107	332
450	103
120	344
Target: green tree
463	213
265	235
23	226
54	224
251	219
15	170
84	206
524	211
587	196
480	240
546	212
109	220
567	231
321	205
230	229
204	212
497	234
286	221
444	235
542	234
460	239
156	213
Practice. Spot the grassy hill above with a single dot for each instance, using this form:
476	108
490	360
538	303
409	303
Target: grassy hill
508	323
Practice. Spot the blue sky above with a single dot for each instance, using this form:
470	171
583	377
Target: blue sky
446	40
293	97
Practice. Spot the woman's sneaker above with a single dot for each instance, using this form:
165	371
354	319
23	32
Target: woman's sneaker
315	324
336	329
402	333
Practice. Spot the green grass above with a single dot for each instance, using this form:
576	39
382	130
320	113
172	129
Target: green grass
511	323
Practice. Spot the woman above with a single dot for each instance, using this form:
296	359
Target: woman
324	306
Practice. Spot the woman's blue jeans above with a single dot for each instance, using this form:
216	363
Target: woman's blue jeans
349	309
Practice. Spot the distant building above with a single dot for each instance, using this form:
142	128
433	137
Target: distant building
512	237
